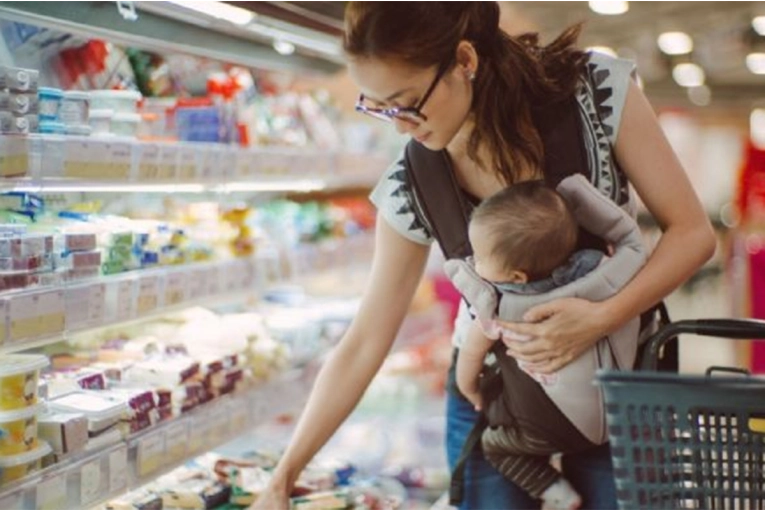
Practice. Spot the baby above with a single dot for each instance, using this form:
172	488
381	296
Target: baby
524	241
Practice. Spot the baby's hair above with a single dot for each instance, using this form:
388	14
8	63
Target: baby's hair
532	228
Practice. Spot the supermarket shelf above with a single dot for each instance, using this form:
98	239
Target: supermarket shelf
94	477
164	32
54	163
40	316
35	317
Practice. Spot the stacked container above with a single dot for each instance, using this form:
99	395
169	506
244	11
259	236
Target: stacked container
19	104
21	451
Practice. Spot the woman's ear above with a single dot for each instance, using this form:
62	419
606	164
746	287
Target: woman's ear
467	58
518	277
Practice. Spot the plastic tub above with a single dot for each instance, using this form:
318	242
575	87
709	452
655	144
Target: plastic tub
15	467
19	80
125	124
101	121
121	101
49	102
75	106
19	103
19	375
101	412
50	127
18	430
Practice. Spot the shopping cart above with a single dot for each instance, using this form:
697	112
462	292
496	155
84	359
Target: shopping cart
688	441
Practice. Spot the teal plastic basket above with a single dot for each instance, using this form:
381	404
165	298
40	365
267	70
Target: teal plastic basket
682	441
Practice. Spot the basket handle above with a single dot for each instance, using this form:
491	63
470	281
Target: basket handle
739	329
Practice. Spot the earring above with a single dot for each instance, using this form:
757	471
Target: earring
470	75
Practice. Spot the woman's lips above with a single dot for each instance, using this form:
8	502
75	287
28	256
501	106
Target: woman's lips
422	138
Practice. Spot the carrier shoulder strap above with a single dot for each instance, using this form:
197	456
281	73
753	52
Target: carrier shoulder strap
443	202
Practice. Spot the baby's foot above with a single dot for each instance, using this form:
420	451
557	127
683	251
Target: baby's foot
561	496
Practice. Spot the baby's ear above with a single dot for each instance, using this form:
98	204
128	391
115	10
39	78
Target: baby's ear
478	292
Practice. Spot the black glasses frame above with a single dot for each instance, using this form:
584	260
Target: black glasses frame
406	113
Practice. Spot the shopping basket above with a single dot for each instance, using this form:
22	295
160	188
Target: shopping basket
688	441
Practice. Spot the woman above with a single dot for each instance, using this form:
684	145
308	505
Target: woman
446	75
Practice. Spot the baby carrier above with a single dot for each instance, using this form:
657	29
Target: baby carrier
446	210
572	391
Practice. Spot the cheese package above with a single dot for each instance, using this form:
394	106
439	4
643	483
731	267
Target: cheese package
66	433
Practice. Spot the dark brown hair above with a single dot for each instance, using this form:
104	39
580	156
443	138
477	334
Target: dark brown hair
515	74
532	228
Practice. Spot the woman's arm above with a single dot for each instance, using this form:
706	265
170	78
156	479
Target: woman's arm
470	362
396	271
566	328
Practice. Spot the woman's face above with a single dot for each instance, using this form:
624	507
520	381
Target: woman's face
389	83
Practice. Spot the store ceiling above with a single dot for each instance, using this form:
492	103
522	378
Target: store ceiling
721	32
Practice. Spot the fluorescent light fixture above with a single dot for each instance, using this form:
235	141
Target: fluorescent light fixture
284	47
757	127
326	46
603	49
609	7
688	75
756	63
303	185
675	43
758	24
700	96
111	188
220	10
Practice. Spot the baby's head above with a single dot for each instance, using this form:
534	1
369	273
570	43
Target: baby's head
522	233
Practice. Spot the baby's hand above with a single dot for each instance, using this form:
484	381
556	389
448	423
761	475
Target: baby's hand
473	396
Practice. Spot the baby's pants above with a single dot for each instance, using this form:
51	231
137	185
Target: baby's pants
522	457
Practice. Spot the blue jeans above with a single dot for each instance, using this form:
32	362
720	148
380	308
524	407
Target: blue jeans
590	472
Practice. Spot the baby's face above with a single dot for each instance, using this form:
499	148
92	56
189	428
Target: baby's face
487	265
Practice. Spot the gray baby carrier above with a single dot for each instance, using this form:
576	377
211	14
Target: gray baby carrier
572	390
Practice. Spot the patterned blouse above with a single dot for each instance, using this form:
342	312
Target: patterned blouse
601	99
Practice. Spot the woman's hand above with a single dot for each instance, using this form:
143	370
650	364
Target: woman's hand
560	332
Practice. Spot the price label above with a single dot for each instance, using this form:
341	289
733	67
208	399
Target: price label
12	501
175	288
52	160
148	294
168	162
213	165
228	163
150	452
199	433
196	284
36	315
148	164
90	482
125	304
118	470
51	493
219	426
85	306
239	415
177	441
214	284
119	160
14	156
188	164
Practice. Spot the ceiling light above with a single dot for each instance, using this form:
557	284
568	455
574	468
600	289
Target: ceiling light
603	49
688	75
700	96
609	7
757	127
284	47
756	62
220	10
675	43
758	24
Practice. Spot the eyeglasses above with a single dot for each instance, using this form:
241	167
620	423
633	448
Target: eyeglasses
410	114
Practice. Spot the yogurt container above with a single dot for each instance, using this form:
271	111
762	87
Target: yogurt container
19	376
49	103
15	467
75	108
19	80
18	430
125	124
19	103
101	121
121	101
